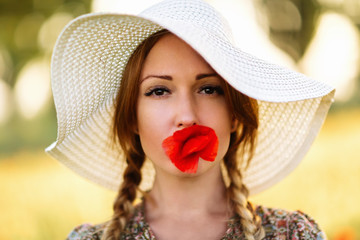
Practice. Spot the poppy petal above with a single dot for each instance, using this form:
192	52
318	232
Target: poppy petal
186	146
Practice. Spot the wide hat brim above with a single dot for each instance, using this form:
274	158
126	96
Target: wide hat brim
86	71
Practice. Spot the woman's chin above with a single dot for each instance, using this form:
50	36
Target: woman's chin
202	168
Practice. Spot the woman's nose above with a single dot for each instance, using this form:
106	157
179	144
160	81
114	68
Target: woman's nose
186	112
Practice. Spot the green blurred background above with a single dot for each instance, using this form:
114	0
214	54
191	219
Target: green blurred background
41	199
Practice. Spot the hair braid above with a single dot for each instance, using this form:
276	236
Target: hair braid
123	205
243	140
124	133
238	193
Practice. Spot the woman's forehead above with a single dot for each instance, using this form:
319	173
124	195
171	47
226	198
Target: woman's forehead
171	55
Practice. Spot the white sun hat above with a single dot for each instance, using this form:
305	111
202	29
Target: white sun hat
86	71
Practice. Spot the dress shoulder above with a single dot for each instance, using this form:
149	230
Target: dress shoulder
282	224
277	223
86	232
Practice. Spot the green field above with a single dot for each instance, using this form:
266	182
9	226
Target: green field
40	199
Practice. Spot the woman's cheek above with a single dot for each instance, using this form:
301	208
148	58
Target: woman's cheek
153	125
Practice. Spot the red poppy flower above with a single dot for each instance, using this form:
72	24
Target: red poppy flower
186	146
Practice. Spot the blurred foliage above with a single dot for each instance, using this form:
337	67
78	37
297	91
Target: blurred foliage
26	135
290	23
20	23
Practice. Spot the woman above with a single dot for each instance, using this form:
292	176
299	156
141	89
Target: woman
214	123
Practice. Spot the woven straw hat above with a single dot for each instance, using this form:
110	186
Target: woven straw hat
87	65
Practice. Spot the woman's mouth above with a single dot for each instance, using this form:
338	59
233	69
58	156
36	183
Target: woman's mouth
186	146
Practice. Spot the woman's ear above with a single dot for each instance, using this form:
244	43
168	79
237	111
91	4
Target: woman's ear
135	129
234	124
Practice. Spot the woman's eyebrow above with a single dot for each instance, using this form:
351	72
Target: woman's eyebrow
205	75
169	78
165	77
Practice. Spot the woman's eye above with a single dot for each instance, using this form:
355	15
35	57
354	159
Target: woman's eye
212	90
158	91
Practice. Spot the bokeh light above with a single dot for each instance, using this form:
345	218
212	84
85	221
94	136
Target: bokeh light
6	102
51	29
6	68
122	6
6	96
334	3
333	55
32	89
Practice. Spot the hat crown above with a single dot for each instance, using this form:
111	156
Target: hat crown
195	13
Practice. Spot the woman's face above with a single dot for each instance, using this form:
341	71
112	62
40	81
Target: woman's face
179	89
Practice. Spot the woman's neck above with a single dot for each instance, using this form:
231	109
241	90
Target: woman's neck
190	195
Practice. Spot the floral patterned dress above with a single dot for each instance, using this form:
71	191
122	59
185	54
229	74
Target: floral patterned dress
278	224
